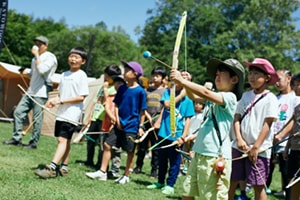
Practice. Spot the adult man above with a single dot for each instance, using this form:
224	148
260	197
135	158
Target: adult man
43	66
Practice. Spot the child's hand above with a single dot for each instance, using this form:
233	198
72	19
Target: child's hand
105	84
242	145
176	76
141	132
52	102
156	125
253	153
180	141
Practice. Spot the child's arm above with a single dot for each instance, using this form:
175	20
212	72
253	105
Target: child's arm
119	126
197	89
142	119
110	113
177	98
241	143
284	131
253	153
158	121
185	132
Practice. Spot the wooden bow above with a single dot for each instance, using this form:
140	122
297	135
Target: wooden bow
47	109
139	140
175	66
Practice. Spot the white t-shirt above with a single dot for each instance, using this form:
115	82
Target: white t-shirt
72	84
287	104
253	121
41	74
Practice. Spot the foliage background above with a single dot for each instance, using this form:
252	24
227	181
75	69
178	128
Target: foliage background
241	29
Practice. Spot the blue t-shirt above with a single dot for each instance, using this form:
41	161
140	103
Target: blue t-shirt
184	108
130	101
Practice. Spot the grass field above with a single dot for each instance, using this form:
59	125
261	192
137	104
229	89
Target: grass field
19	182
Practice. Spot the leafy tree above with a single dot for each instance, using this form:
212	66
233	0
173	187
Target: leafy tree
240	29
21	29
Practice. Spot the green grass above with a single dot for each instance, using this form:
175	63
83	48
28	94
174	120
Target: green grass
19	182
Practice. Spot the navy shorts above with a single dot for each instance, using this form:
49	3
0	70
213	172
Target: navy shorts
64	129
119	139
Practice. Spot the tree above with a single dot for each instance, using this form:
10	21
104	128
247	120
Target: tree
240	29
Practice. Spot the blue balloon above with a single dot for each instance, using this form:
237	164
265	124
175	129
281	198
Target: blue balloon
147	54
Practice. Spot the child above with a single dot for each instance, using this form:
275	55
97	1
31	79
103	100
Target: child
130	109
287	103
253	119
195	123
73	88
169	156
213	142
292	150
154	95
99	120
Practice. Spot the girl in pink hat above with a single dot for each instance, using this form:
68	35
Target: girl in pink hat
254	116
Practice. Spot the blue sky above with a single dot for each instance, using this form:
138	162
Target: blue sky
125	13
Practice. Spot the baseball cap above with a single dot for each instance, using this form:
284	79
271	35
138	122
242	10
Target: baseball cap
266	66
232	64
43	39
136	67
118	78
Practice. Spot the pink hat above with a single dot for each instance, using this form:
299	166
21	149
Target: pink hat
266	66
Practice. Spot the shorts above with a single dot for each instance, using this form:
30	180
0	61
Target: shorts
64	129
201	180
119	139
244	169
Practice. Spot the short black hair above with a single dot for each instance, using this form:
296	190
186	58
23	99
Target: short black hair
296	77
159	70
112	70
80	51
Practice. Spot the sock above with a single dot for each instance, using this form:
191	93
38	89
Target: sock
64	167
53	166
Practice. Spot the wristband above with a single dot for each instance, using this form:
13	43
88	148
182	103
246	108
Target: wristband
142	126
182	138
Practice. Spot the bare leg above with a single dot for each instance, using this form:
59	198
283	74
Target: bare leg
60	149
66	156
105	157
129	162
260	193
232	188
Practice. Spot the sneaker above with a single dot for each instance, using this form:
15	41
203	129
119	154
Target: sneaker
184	170
268	191
63	172
279	194
168	190
97	175
137	170
122	180
45	173
156	186
13	142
